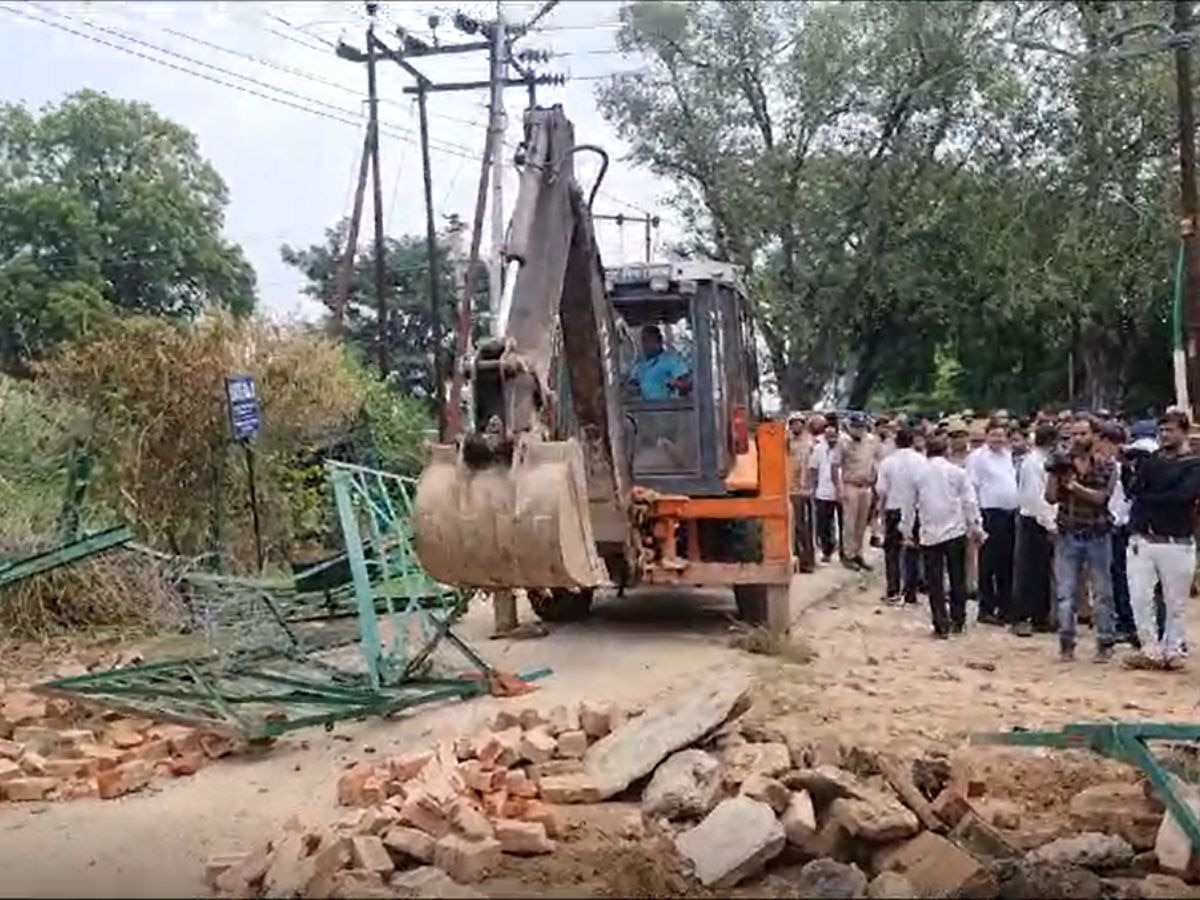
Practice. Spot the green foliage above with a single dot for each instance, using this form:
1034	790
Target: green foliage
410	317
106	208
901	179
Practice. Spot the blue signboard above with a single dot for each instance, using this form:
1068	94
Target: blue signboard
244	416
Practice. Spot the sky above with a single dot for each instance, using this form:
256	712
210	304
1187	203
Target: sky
291	171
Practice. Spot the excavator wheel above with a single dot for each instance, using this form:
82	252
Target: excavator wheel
561	604
767	605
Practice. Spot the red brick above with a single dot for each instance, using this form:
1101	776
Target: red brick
104	757
569	789
500	748
124	779
409	765
554	767
289	871
519	784
59	708
369	853
571	745
422	812
69	768
9	770
950	805
598	718
37	738
551	819
19	707
409	843
180	738
467	862
537	745
10	749
123	738
514	808
187	763
151	751
248	873
493	803
506	719
77	790
523	838
470	822
32	763
28	788
479	779
351	782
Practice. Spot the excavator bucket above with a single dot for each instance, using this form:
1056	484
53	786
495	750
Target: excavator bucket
523	524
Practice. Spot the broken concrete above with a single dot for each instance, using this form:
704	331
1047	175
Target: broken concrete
429	883
1090	850
686	715
799	820
1118	808
1175	852
933	866
891	886
825	784
747	760
735	841
827	879
875	817
686	785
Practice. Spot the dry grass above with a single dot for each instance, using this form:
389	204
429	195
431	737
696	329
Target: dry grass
119	589
759	640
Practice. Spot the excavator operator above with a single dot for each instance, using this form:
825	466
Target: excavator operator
660	374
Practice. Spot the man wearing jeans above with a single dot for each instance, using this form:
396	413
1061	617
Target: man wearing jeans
1081	485
1164	491
992	474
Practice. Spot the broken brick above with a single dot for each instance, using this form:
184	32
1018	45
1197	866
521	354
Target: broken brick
598	718
123	738
409	765
767	790
104	757
368	852
77	790
561	719
9	770
248	873
187	764
467	862
569	789
470	822
20	707
506	719
529	719
68	768
464	748
519	784
550	819
553	767
500	748
523	837
32	763
10	749
37	738
180	738
483	780
572	745
290	870
422	812
493	803
537	745
124	779
216	746
930	863
150	751
352	782
29	788
513	808
409	843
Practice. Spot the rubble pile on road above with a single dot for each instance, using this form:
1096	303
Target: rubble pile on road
727	797
53	749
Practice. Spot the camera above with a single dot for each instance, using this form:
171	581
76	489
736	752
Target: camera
1058	462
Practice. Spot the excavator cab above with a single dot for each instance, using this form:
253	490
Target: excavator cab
689	388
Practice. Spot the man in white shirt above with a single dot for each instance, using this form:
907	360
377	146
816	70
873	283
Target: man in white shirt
942	499
1036	528
992	474
1108	445
825	465
896	479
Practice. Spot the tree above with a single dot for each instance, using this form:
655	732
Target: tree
410	315
106	208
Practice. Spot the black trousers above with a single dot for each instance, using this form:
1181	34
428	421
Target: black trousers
940	559
1035	555
827	511
802	518
899	562
996	563
1120	582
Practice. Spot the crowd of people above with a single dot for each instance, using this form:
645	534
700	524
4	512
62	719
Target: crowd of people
1048	522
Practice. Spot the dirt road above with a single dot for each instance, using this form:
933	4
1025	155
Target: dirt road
878	680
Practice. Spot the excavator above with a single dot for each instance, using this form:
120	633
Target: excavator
617	434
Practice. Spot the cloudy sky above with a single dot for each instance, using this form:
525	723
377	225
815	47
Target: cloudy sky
290	171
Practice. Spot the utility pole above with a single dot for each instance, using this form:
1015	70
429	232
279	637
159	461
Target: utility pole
377	192
435	306
499	70
346	270
1188	203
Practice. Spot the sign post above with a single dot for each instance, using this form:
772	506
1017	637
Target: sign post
245	421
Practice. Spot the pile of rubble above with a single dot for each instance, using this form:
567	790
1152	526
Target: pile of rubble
727	798
53	749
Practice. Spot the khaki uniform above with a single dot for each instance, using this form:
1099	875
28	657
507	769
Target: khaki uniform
860	464
799	451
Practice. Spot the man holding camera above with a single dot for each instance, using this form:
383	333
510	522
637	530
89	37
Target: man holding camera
1081	483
